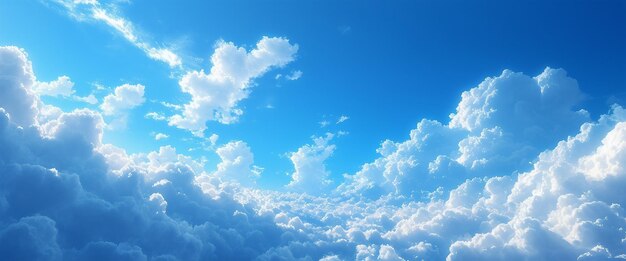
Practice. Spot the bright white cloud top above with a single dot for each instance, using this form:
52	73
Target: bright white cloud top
97	201
215	96
124	98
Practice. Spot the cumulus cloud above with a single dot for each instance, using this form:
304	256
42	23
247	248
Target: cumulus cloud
91	99
215	96
160	136
17	79
124	98
95	201
62	86
498	128
237	164
213	139
310	174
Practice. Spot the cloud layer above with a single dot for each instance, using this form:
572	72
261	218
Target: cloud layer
64	195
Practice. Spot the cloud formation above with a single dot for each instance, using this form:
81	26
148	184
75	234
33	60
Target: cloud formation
124	98
236	163
93	10
62	86
310	174
65	195
498	128
215	96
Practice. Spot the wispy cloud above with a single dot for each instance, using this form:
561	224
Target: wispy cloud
83	10
342	118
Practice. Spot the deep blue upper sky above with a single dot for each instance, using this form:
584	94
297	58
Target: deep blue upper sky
384	66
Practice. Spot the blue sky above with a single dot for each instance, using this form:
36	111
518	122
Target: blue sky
383	103
384	66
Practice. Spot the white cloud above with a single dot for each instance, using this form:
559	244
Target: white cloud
16	80
155	116
62	86
310	173
124	98
213	139
172	106
88	200
342	118
237	164
294	75
499	126
161	136
91	99
216	95
82	10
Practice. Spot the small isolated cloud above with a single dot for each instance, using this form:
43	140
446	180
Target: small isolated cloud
124	98
160	136
93	10
17	80
323	123
155	116
213	139
215	95
91	99
172	106
294	75
310	174
62	86
342	118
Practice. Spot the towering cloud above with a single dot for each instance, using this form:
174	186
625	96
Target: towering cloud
499	126
17	79
310	173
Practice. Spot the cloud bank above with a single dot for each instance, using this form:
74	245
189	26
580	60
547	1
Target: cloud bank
65	195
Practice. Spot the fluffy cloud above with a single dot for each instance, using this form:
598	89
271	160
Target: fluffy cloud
160	136
91	99
499	126
62	86
310	173
236	164
125	97
17	79
294	75
216	95
95	201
